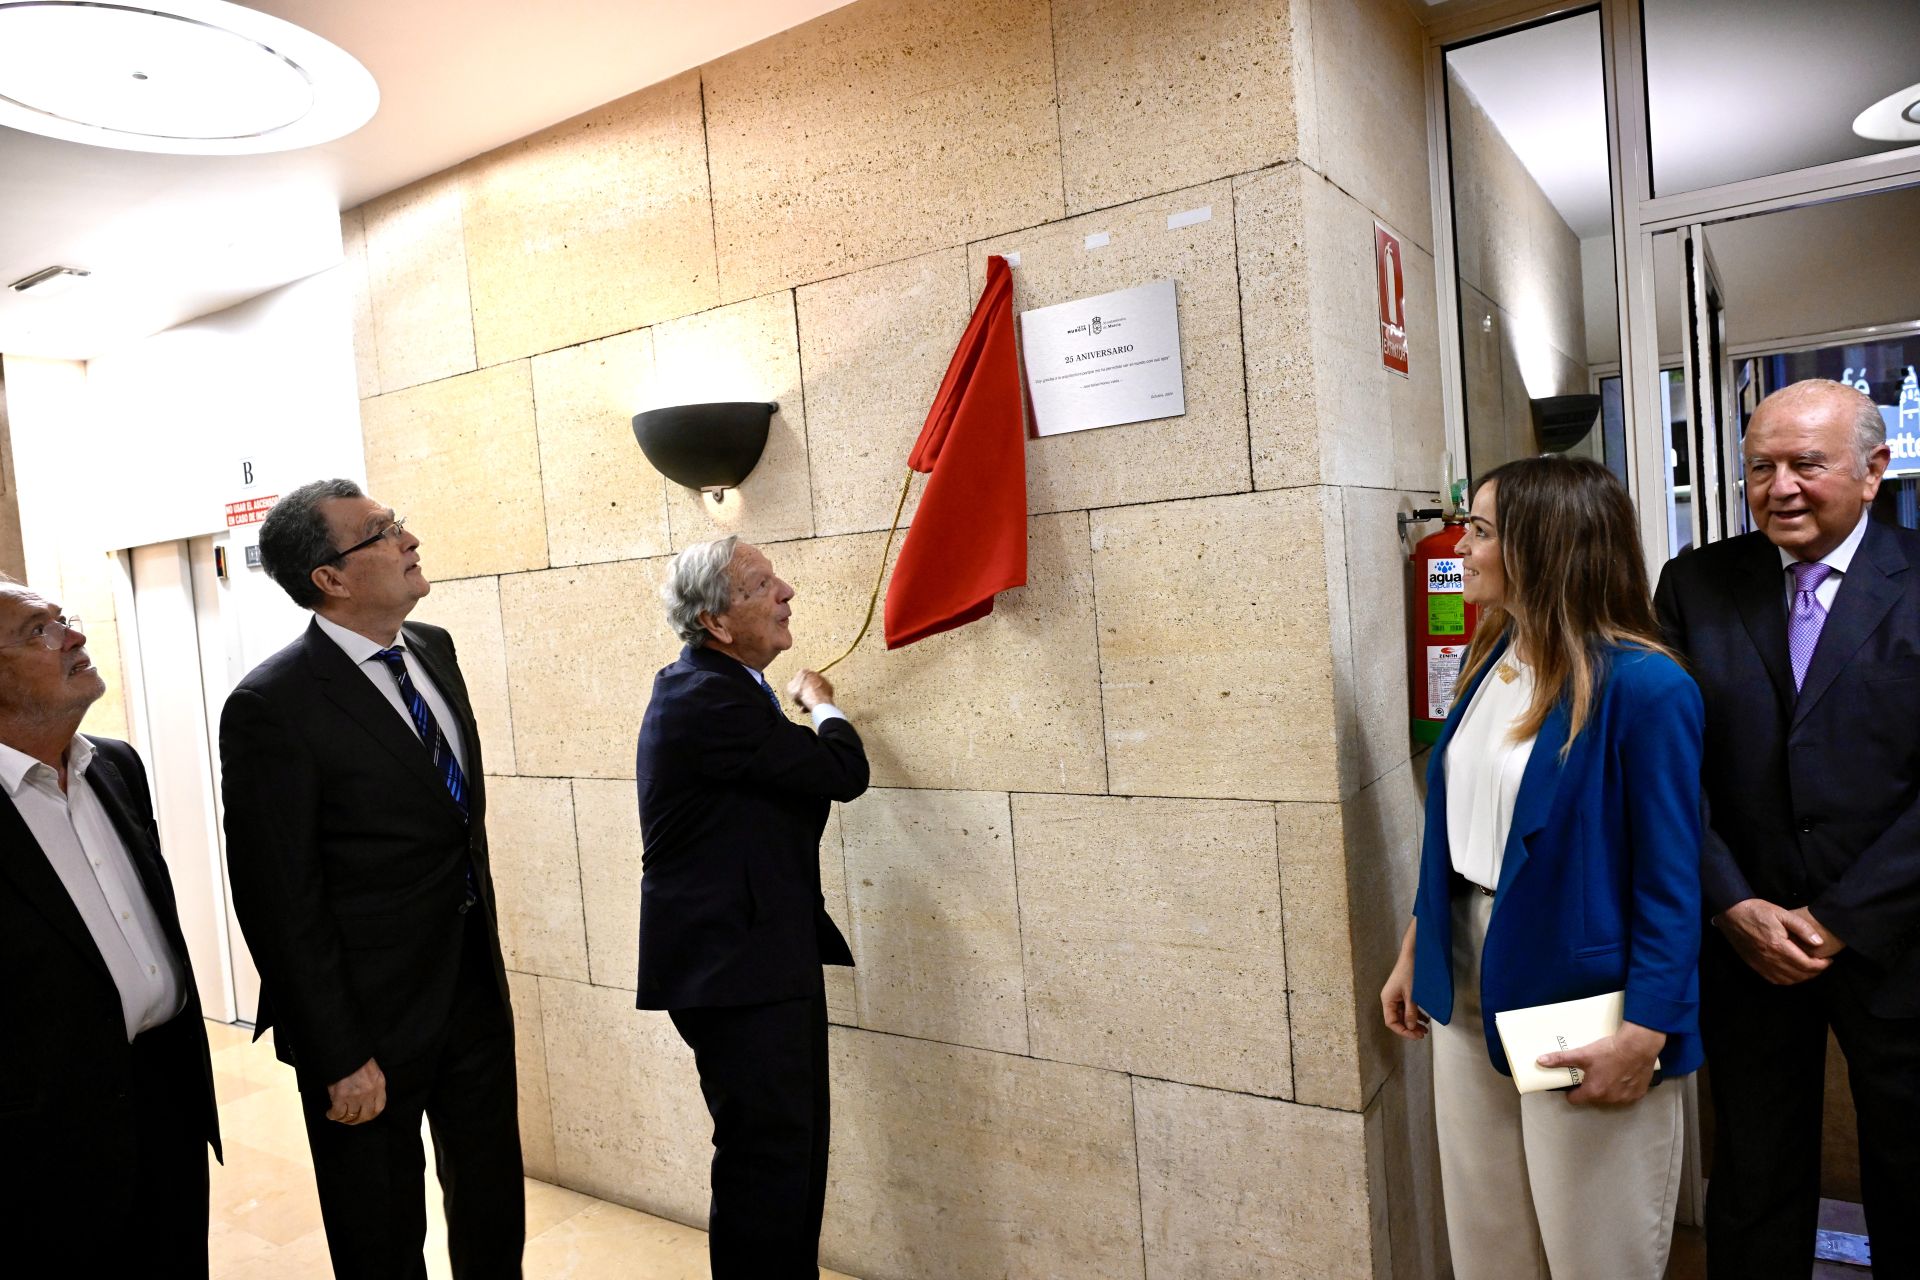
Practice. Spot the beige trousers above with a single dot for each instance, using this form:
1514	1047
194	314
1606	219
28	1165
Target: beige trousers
1536	1187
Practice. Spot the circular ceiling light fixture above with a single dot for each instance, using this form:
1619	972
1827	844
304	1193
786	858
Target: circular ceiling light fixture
1895	118
181	77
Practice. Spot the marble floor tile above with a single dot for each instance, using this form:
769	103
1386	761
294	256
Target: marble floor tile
264	1218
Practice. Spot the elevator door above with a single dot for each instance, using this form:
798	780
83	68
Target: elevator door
184	681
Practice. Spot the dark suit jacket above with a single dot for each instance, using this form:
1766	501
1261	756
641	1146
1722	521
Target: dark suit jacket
733	798
348	858
1815	798
64	1058
1600	882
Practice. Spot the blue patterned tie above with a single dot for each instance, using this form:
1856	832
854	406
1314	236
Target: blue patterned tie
423	722
771	695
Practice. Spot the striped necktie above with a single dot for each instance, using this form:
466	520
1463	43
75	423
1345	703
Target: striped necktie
771	695
444	760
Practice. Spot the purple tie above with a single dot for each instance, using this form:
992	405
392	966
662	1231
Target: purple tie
1806	617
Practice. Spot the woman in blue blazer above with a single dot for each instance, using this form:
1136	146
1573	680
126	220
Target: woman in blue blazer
1561	860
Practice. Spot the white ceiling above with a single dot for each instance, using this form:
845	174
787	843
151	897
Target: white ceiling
172	237
1735	89
1544	91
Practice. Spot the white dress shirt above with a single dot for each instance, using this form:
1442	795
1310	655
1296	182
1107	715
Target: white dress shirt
1841	558
1484	768
360	651
78	838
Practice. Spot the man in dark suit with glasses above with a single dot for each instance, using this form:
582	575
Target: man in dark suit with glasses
106	1087
356	839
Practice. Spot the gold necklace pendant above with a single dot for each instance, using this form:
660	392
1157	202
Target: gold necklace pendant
1506	673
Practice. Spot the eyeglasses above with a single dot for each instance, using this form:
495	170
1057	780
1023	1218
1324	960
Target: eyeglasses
390	530
51	634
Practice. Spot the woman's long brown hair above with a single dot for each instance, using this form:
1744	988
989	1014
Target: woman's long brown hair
1575	576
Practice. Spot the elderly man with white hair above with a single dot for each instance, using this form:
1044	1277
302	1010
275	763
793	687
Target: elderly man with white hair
1805	639
733	927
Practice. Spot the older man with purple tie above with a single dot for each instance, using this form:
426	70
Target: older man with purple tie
1805	639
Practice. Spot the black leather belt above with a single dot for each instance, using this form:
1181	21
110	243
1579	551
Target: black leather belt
1460	882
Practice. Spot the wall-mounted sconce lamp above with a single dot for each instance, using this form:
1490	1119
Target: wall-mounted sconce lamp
709	447
1561	422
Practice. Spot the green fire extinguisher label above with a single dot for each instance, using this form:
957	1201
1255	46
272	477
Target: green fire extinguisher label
1446	615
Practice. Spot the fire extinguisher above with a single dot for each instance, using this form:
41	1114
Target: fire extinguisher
1441	622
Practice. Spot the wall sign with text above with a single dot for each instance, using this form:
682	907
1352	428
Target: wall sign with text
1391	284
1105	360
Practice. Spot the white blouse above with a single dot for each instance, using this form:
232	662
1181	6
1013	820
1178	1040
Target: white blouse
1484	767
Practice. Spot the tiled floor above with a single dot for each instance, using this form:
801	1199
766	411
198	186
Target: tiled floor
265	1216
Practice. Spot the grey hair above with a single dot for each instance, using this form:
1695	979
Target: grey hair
295	538
1869	428
699	583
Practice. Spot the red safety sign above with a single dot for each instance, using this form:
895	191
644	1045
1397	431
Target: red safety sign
249	510
1393	299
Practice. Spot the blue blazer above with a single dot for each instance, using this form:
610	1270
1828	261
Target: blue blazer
1600	883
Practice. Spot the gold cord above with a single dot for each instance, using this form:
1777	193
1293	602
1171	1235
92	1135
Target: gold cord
874	599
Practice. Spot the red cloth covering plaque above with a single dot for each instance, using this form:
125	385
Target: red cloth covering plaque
968	539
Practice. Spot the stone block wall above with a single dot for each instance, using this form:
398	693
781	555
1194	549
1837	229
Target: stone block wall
1140	843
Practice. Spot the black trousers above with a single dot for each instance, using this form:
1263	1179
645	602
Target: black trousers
1767	1050
763	1070
116	1190
372	1177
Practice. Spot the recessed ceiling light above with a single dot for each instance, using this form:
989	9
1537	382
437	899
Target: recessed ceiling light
1895	118
49	281
184	77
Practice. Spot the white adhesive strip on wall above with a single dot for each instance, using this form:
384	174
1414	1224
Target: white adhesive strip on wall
1186	219
1099	240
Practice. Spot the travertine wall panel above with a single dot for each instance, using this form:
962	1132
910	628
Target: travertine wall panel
1375	424
1232	1186
1153	938
1375	578
530	1062
607	815
417	272
1205	450
1320	986
353	249
971	1165
603	500
843	984
1522	283
1211	81
1213	638
1276	311
1370	107
1011	701
583	645
595	226
459	458
469	608
879	132
629	1124
874	346
1401	1138
1384	825
536	876
936	921
748	351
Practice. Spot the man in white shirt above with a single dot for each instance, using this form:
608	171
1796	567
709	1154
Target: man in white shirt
357	847
106	1088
